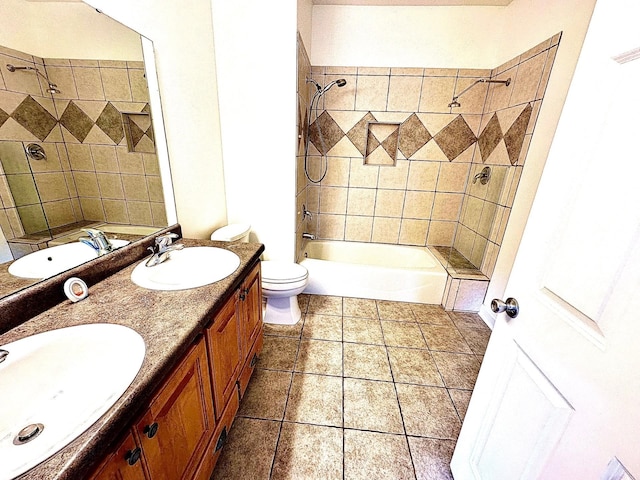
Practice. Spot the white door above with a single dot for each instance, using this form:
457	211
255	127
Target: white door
558	395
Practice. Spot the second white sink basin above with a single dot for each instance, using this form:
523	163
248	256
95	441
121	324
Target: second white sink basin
187	268
54	385
53	260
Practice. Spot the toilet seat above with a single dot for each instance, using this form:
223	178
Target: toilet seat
283	273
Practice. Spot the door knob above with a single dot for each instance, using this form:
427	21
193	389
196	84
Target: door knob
510	306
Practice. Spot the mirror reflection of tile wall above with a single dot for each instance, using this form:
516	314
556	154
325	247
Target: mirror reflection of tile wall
89	173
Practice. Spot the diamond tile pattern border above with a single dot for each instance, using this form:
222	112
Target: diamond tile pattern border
38	121
492	135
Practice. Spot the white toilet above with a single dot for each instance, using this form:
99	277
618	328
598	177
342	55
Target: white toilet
281	283
234	232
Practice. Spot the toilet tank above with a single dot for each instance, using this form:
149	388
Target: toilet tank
234	232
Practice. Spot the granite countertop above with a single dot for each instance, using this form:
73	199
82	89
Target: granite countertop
169	322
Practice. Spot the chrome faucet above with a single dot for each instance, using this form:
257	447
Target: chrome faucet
97	240
163	245
483	176
309	236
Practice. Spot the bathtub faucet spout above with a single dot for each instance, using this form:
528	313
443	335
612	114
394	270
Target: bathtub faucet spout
309	236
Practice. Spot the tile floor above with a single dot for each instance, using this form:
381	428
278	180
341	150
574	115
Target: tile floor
357	389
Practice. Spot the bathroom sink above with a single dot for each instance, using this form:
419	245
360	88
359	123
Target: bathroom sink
59	383
53	260
187	268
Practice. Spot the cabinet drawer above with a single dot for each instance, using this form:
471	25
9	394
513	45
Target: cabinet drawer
218	440
250	363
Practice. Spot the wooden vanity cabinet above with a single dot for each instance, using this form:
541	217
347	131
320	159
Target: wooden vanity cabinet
170	439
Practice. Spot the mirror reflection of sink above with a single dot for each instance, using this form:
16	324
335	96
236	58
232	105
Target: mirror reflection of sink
59	383
53	260
187	268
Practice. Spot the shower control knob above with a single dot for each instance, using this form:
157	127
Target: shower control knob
510	306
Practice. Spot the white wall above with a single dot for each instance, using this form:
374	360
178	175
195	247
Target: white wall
182	33
255	44
65	30
464	37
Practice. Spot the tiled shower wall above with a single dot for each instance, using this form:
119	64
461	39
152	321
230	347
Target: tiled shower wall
428	198
89	173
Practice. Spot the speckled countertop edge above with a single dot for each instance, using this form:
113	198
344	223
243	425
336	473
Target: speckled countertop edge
169	322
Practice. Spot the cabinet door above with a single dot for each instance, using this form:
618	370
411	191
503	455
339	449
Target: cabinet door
224	353
124	464
251	309
179	423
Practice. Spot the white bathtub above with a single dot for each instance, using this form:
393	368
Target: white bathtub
373	270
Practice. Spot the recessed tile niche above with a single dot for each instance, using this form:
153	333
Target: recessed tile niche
382	143
138	131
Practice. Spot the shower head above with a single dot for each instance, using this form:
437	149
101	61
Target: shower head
454	103
341	82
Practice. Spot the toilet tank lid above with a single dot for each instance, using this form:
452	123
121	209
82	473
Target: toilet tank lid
231	232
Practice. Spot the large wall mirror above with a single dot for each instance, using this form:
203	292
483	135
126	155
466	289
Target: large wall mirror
81	134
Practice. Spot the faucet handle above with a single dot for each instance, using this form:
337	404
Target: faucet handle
93	232
166	239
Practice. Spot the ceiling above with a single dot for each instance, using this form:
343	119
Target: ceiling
415	3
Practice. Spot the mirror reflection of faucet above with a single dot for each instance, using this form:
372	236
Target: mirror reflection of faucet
97	240
309	236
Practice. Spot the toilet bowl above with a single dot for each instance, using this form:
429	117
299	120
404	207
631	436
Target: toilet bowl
234	232
281	283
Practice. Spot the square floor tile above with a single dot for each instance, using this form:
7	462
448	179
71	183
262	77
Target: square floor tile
432	314
398	311
279	353
376	456
266	395
319	356
250	447
323	327
359	307
284	330
431	458
467	319
366	361
309	452
303	302
461	400
428	411
410	365
457	369
444	338
315	399
476	338
402	334
325	305
362	330
371	405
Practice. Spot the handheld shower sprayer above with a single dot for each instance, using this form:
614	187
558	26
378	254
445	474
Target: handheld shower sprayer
52	87
313	108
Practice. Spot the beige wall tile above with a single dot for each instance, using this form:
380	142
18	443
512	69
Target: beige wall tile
418	205
333	200
63	78
135	187
71	184
59	213
151	166
361	201
472	210
413	232
116	211
159	213
80	157
446	206
389	203
385	230
340	98
542	88
88	83
436	95
337	172
499	94
51	163
477	252
140	213
464	241
139	89
32	218
110	185
441	233
525	84
372	93
473	100
374	71
423	175
358	229
361	175
453	177
51	186
86	184
105	158
331	226
116	84
154	184
404	94
487	219
470	295
394	177
129	162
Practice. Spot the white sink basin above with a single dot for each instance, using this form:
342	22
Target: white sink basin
187	268
65	380
53	260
